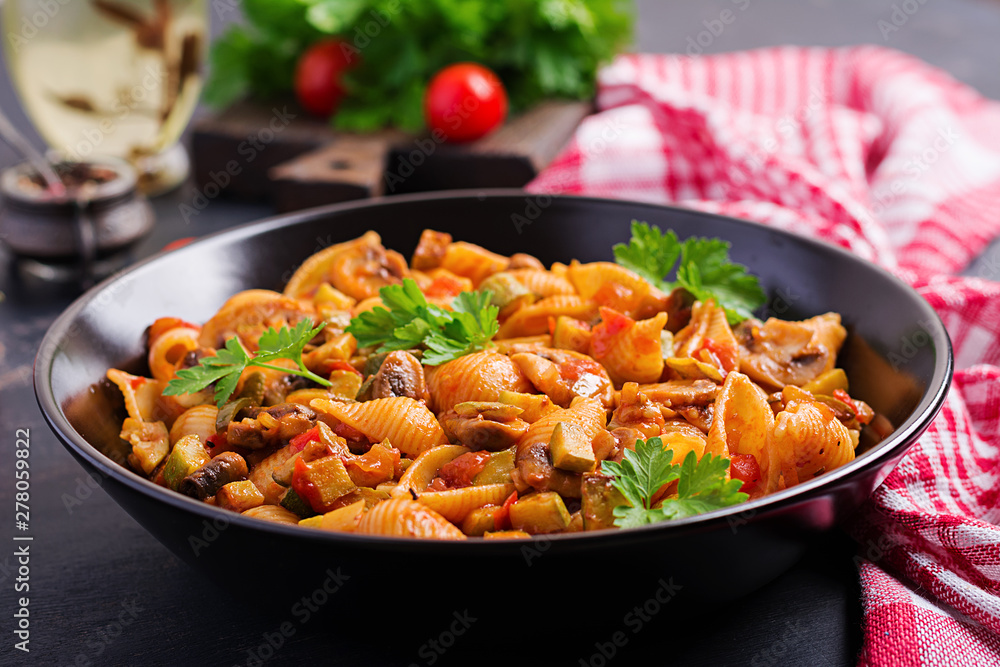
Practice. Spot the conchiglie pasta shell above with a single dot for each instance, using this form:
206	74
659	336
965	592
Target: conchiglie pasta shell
587	413
248	314
199	421
402	517
425	468
742	424
816	440
455	504
635	354
273	513
542	283
141	395
472	261
169	350
346	266
591	277
479	376
533	320
407	424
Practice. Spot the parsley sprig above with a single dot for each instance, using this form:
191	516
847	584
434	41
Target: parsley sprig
703	268
225	367
701	485
411	322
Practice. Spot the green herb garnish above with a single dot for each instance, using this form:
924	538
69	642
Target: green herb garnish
225	367
704	269
411	322
701	485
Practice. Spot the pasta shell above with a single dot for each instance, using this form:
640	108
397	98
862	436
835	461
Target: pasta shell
633	354
610	284
816	440
472	261
407	424
357	268
273	513
169	349
141	395
533	320
480	376
199	421
425	468
542	283
743	424
455	504
248	314
402	517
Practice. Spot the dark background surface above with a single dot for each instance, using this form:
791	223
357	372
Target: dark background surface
103	591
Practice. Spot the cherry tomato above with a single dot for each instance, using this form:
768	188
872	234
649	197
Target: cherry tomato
318	76
464	102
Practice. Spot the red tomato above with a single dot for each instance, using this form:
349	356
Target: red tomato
745	468
459	472
318	74
464	102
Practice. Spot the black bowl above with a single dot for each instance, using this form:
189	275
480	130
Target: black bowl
898	358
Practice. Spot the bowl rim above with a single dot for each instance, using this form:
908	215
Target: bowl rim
904	436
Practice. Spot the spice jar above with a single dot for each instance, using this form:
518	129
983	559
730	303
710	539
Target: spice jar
78	236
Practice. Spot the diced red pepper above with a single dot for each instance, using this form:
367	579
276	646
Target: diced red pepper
298	443
458	472
302	486
340	365
745	468
501	515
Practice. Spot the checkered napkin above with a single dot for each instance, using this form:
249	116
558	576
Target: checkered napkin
880	153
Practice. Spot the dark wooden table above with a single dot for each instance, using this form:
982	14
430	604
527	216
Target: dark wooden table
104	592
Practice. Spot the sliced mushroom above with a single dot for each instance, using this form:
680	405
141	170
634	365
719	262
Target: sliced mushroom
477	431
206	481
400	375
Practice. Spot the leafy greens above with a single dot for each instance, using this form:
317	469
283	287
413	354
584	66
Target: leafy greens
701	484
703	268
538	48
225	367
412	322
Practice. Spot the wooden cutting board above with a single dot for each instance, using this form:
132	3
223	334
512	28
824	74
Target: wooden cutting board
280	154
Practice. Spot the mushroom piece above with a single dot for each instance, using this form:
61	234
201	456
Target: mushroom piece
484	425
400	375
206	481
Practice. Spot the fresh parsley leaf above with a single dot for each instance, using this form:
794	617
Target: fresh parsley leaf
701	485
411	322
225	367
702	268
650	253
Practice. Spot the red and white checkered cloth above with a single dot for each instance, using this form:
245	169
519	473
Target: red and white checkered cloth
880	153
